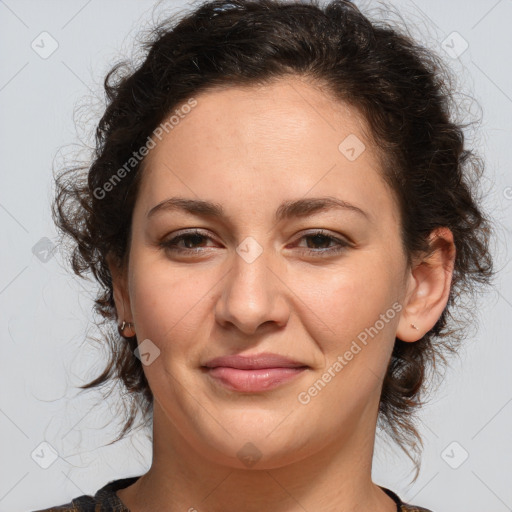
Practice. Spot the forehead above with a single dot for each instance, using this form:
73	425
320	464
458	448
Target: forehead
287	137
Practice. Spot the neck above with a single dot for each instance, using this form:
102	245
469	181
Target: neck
333	479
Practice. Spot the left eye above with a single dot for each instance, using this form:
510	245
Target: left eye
195	241
320	238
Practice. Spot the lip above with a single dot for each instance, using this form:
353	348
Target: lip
254	361
253	373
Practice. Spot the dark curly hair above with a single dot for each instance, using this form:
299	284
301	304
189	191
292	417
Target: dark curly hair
403	90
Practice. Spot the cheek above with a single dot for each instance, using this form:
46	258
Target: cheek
167	300
352	317
347	300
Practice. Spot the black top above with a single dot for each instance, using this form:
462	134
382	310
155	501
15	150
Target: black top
106	500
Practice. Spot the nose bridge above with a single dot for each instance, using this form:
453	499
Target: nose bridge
252	293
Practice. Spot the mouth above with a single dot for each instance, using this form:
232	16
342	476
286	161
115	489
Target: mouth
253	373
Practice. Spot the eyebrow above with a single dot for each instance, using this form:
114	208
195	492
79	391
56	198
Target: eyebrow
286	210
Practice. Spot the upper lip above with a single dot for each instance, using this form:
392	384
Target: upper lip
254	362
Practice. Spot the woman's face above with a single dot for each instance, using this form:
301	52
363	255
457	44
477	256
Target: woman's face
256	279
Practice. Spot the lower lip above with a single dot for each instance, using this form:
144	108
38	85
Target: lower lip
263	379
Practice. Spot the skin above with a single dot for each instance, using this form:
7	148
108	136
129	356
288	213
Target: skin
249	149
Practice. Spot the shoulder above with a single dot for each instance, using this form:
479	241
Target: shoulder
413	508
400	505
105	500
81	504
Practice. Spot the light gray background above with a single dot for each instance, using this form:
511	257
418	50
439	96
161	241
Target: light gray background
45	312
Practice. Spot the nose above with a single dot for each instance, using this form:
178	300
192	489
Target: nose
254	294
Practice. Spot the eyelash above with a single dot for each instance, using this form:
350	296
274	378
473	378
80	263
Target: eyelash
342	245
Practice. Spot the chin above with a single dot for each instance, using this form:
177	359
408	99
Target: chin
255	448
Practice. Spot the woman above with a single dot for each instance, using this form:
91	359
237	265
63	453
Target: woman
282	214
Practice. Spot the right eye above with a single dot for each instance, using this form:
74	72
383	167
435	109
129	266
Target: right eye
190	239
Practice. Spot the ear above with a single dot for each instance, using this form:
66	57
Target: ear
429	284
121	295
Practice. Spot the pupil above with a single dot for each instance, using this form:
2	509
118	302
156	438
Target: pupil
192	240
317	239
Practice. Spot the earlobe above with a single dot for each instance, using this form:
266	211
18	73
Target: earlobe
428	287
